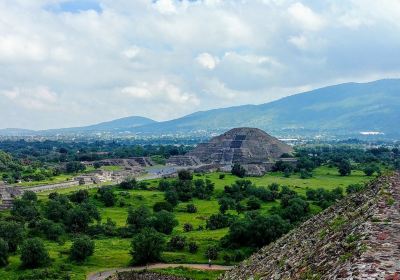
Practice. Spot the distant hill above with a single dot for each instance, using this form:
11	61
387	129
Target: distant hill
342	110
345	109
115	126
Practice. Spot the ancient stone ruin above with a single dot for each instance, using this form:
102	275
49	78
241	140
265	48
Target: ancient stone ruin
357	238
7	195
254	149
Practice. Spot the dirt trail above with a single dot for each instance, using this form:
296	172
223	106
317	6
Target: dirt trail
104	274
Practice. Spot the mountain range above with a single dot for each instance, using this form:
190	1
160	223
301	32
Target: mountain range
348	109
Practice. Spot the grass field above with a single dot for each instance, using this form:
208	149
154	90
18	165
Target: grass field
114	252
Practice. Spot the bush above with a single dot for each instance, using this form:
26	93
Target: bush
344	168
212	253
3	253
163	205
221	176
147	246
107	196
164	222
191	208
185	175
79	196
138	218
172	197
12	233
187	227
81	248
163	185
238	170
51	230
29	196
34	254
217	221
354	188
193	247
177	242
128	184
253	203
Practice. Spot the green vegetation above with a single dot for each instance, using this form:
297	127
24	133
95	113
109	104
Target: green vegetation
112	249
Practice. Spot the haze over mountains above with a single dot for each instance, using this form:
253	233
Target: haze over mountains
341	110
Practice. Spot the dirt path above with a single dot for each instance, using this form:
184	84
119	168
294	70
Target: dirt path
104	274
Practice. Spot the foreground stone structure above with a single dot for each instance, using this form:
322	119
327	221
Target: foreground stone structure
143	276
7	195
357	238
254	149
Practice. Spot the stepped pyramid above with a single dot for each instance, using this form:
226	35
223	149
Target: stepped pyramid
251	147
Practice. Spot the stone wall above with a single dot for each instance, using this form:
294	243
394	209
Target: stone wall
337	243
143	276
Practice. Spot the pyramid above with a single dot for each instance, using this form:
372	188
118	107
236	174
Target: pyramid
243	145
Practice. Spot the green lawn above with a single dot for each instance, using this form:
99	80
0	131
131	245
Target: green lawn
114	252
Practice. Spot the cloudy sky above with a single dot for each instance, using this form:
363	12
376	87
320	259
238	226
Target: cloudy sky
69	63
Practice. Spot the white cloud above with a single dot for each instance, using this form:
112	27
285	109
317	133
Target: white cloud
166	58
306	17
208	61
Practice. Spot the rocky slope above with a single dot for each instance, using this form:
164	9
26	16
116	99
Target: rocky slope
357	238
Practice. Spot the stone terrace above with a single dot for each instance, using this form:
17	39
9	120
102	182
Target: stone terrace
357	238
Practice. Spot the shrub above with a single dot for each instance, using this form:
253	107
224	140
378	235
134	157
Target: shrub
163	205
164	222
187	227
107	196
193	247
163	185
172	197
138	218
212	253
253	203
81	248
221	176
29	196
128	184
177	242
238	170
191	208
3	253
354	188
185	175
51	230
217	221
79	196
344	168
147	246
34	254
12	233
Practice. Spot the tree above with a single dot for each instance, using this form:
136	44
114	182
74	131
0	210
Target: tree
29	196
212	253
177	242
78	219
163	185
138	218
82	248
217	221
3	253
344	168
12	233
193	247
164	222
75	167
128	184
34	254
51	230
79	196
187	227
163	205
253	203
25	209
147	246
185	175
369	170
191	208
238	170
172	197
107	196
295	210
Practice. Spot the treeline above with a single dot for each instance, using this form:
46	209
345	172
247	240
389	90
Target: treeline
57	151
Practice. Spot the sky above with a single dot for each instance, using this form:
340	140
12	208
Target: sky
78	62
